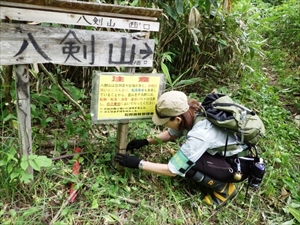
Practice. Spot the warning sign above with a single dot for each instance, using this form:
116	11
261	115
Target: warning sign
124	96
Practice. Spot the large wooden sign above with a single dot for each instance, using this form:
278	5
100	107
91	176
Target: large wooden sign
22	44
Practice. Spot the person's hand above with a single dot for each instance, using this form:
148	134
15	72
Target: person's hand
136	144
127	160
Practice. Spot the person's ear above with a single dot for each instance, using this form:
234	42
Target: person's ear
178	119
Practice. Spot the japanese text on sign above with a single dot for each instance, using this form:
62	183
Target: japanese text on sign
77	19
123	96
34	44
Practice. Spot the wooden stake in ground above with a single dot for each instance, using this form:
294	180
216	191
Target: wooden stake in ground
23	111
121	141
122	133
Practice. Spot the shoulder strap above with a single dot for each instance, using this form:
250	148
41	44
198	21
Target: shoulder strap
236	105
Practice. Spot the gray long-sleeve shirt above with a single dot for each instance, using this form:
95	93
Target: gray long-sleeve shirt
203	137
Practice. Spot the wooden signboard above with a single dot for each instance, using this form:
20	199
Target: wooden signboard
75	47
90	8
20	14
113	46
118	97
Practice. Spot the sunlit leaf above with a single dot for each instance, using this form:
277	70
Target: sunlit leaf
277	160
9	168
59	107
32	157
179	6
13	175
207	6
8	117
290	222
24	164
49	119
171	11
94	204
214	2
188	82
295	205
43	161
166	72
110	218
270	19
26	177
295	213
12	212
34	165
30	211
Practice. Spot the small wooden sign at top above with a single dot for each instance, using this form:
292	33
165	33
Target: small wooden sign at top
20	14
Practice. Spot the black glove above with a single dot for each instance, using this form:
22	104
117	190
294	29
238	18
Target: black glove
127	160
136	144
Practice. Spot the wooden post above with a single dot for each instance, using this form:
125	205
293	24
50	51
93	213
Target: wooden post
23	111
122	132
121	141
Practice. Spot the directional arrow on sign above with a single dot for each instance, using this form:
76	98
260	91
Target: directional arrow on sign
147	51
25	44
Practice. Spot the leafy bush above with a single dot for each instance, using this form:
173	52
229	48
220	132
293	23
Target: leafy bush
204	43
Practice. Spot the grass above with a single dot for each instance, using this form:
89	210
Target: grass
106	196
136	197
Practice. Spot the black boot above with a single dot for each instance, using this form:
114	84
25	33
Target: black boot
221	191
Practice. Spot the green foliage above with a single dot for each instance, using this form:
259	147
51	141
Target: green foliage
295	212
35	161
282	28
13	169
204	42
251	53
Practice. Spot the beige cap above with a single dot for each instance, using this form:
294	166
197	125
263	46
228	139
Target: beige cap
170	104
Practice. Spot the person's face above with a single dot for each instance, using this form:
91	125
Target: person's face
173	124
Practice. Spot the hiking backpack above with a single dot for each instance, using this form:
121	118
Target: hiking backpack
223	112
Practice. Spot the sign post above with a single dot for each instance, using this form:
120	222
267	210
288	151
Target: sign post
122	132
113	46
120	97
23	111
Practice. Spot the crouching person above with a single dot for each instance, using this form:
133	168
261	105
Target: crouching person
202	156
